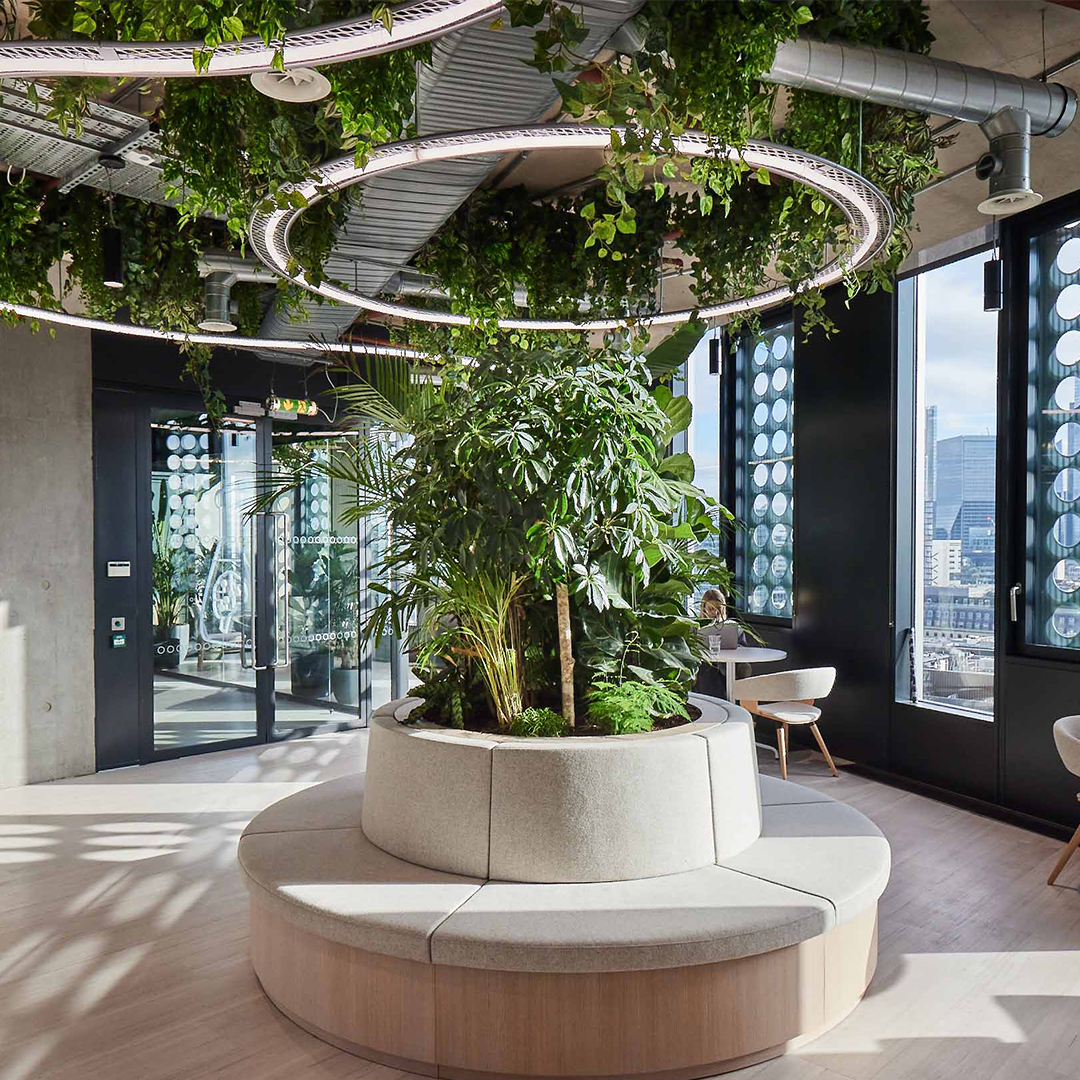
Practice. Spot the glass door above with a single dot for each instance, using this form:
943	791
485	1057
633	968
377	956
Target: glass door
205	685
331	680
256	616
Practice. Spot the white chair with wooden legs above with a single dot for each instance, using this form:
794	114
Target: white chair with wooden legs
788	698
1067	738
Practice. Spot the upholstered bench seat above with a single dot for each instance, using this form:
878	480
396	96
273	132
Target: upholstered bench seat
698	917
818	863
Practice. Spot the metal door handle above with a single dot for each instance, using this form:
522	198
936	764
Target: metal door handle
245	663
1014	592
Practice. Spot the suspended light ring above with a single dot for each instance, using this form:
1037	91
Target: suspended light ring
869	215
180	337
332	43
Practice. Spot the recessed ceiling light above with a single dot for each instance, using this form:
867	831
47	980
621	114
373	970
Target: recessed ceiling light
297	84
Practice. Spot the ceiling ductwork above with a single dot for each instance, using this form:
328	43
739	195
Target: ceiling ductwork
1009	109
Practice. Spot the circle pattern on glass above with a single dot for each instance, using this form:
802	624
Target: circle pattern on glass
1067	439
780	501
1067	349
779	409
761	444
761	414
779	473
1068	302
780	535
761	353
1066	575
1066	530
1066	621
758	599
761	505
761	535
761	383
779	379
779	442
1067	485
761	475
760	567
1067	394
780	347
1068	256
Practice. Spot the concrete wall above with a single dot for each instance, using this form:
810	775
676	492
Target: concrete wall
46	556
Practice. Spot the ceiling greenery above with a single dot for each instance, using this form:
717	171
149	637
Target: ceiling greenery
230	149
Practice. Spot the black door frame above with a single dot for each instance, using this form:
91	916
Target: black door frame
124	739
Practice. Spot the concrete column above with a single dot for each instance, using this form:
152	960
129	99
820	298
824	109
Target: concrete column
46	556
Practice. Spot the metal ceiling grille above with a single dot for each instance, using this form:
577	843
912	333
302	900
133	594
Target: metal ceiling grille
28	140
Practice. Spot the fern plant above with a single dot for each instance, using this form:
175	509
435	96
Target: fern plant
629	707
539	723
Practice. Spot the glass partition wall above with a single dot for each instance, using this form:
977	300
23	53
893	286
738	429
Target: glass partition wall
948	532
256	617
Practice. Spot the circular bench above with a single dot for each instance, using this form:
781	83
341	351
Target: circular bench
453	974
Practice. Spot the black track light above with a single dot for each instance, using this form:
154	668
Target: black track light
714	356
112	255
992	290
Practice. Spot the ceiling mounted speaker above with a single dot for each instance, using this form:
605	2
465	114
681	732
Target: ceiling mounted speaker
296	84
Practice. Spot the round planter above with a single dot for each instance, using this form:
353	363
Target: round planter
345	683
580	809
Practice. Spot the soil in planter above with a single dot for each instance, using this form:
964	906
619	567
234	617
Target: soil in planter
485	722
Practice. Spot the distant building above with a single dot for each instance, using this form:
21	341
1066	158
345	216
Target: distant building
965	497
945	564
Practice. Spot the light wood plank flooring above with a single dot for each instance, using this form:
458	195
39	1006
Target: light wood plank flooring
123	927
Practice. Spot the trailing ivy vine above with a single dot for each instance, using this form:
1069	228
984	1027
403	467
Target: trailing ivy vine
700	67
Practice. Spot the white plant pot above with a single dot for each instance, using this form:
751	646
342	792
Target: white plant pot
183	634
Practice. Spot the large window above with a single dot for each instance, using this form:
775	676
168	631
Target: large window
949	346
765	472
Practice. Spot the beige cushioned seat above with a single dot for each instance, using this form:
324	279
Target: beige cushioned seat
334	882
828	849
775	792
693	918
790	712
818	863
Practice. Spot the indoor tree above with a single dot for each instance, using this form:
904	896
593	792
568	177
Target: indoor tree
512	475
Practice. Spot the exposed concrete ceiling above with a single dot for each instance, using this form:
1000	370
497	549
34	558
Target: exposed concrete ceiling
1005	35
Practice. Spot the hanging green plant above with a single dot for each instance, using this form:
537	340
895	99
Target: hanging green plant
700	67
30	242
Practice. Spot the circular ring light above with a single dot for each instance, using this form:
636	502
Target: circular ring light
179	337
333	43
867	210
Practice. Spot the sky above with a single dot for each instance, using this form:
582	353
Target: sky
960	363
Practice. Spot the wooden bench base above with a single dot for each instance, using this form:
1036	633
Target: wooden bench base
479	1024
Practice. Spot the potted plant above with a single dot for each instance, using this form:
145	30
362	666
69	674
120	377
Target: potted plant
345	676
171	603
543	541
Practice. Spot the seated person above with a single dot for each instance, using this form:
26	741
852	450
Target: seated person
712	677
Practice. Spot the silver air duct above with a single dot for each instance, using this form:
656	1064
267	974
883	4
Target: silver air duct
1007	164
1009	109
218	303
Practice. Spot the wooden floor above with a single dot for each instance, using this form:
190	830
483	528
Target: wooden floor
123	929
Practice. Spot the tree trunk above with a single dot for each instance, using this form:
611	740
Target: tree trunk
566	656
